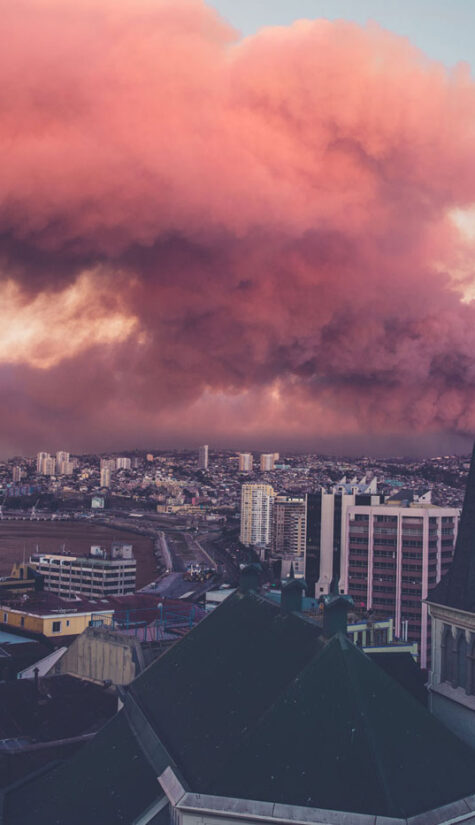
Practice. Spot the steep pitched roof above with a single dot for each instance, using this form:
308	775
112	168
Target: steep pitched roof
106	782
457	587
345	736
253	704
206	691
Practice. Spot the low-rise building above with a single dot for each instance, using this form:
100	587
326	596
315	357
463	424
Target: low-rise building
46	614
93	575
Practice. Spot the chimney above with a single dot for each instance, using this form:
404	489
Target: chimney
335	613
249	578
37	682
292	591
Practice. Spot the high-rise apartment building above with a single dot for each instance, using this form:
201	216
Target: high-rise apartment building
45	464
327	527
17	474
123	463
108	464
256	515
394	556
289	533
64	467
203	457
105	477
267	462
245	462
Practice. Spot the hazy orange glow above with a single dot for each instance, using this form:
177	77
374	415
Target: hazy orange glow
48	328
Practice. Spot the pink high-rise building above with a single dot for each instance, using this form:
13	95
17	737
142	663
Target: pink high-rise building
393	556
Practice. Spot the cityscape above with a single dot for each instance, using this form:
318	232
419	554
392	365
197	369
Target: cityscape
237	412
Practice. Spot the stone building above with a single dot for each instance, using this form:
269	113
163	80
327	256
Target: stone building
452	611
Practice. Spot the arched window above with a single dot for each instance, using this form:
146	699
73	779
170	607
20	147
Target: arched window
462	661
471	667
447	644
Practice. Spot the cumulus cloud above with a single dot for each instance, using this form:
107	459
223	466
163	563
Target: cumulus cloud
226	234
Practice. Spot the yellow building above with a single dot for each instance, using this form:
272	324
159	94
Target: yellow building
49	615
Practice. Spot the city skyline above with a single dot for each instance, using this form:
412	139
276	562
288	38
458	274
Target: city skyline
270	240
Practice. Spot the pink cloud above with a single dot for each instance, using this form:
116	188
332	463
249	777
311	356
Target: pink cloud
269	211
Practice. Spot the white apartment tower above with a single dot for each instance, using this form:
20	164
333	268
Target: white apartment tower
45	464
123	463
289	533
245	462
256	515
105	477
64	467
203	457
327	529
267	462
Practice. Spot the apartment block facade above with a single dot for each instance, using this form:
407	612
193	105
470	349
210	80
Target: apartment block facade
327	531
256	515
289	533
393	556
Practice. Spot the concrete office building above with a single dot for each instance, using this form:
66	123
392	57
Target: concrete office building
289	533
267	462
203	457
245	462
326	530
256	515
393	556
90	576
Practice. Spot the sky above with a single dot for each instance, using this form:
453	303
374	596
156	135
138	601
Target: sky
443	29
213	232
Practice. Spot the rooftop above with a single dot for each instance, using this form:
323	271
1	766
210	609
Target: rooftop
255	704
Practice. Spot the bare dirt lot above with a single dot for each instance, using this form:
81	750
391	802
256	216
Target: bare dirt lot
23	537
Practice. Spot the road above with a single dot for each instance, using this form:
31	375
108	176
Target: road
176	547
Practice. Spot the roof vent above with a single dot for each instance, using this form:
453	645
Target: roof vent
249	579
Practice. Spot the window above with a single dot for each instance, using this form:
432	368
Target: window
471	663
67	622
22	621
462	661
5	617
56	627
446	671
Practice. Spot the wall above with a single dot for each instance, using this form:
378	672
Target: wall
100	654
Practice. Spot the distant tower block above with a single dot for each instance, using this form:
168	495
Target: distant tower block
267	461
105	477
203	457
245	462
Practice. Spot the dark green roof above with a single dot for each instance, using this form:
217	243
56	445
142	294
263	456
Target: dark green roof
345	736
211	688
107	782
254	704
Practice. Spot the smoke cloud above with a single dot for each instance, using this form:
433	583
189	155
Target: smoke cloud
204	236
